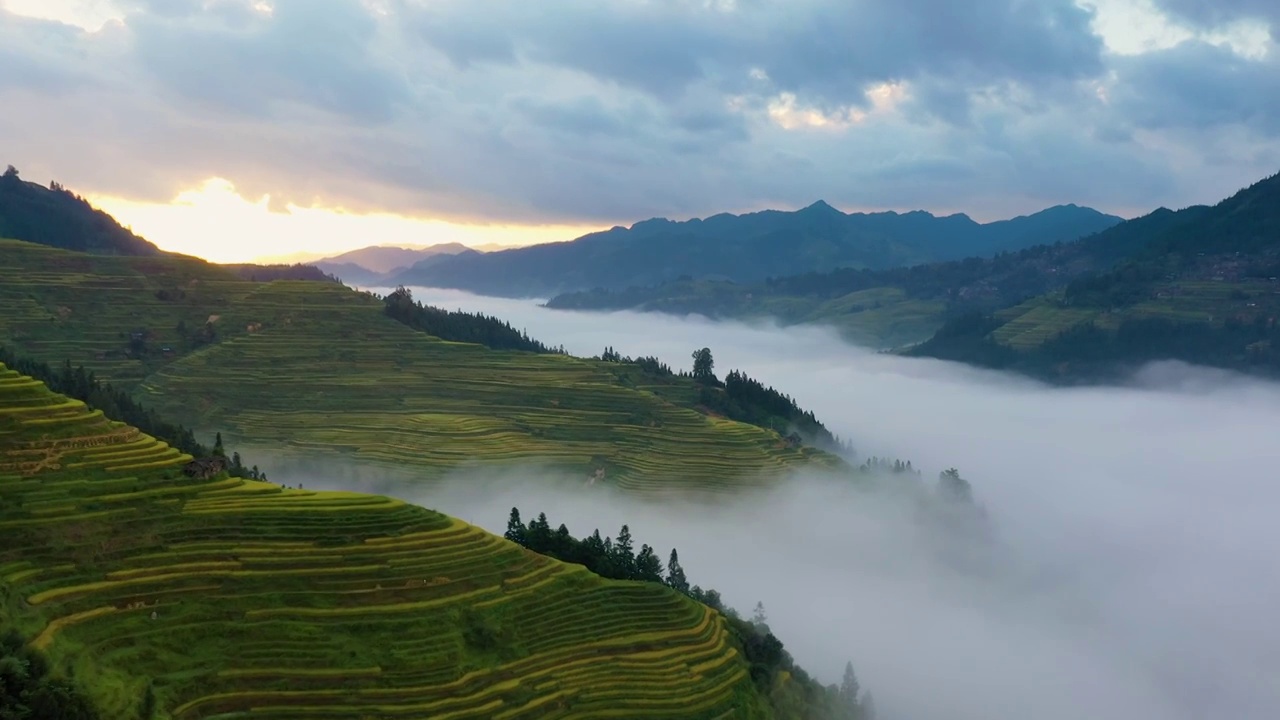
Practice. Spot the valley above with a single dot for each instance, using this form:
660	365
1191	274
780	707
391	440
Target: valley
805	360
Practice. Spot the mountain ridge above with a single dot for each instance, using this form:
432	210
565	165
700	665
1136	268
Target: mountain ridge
1195	268
744	248
57	217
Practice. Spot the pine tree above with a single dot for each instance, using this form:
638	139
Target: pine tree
217	446
538	537
849	687
516	531
624	558
648	566
675	574
758	616
953	487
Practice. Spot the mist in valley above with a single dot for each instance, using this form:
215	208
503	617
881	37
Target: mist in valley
1128	573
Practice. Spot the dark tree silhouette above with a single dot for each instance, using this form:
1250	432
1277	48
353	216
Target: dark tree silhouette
516	531
953	487
704	366
675	573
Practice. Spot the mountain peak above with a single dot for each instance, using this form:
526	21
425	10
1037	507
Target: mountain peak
820	206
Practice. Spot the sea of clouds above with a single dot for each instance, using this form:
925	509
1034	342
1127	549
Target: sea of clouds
1130	572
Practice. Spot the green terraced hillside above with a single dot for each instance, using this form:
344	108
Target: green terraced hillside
57	305
239	599
315	369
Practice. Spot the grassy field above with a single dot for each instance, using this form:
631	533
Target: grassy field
316	370
240	599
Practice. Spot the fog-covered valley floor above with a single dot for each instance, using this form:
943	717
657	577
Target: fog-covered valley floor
1132	575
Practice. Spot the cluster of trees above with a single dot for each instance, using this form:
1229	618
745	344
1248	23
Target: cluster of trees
459	326
603	556
651	365
888	465
235	464
59	218
619	560
84	385
742	398
29	690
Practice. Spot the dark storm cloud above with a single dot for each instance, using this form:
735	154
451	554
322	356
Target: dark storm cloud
612	112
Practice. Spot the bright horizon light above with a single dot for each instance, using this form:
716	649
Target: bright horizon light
216	223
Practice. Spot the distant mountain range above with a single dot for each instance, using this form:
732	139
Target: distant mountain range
747	248
377	264
1199	284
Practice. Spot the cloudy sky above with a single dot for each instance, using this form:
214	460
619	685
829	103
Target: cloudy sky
237	128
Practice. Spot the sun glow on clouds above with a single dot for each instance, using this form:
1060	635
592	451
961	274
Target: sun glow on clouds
90	15
787	112
217	223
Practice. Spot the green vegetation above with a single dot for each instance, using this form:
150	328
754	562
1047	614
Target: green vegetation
171	597
458	326
28	691
1198	285
319	371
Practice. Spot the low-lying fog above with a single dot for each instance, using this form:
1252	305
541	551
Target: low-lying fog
1134	576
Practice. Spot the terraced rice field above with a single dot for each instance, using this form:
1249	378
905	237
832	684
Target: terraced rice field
316	370
241	599
434	407
1038	320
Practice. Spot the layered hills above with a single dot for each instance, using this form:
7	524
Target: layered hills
746	248
1116	298
377	264
168	595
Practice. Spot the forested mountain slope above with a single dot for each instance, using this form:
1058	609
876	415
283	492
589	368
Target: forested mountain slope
56	217
1203	289
746	248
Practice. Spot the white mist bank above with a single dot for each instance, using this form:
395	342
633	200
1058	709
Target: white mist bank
1133	576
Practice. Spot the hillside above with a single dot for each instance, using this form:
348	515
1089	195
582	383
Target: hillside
746	248
1201	288
56	217
319	372
169	596
1201	270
